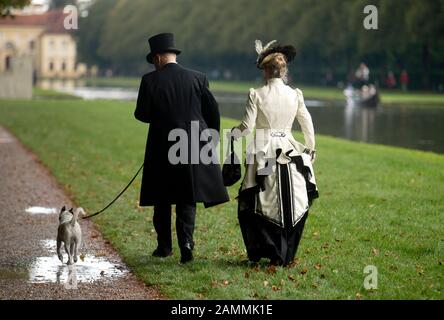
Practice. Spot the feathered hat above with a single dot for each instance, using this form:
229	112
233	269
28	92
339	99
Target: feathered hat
269	51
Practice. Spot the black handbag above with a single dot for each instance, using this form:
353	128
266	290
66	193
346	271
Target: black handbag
231	170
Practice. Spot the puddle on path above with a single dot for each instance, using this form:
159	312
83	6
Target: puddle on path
49	269
41	210
5	140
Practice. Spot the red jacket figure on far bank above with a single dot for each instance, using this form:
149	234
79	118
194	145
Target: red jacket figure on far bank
404	79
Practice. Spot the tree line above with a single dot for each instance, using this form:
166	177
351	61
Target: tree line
217	36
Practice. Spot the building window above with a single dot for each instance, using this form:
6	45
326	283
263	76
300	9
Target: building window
32	44
51	66
8	63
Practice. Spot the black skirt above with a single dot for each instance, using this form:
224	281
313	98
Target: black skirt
265	239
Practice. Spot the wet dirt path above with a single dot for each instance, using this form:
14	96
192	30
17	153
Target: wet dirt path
30	200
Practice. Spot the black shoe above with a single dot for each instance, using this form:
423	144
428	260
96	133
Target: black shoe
160	253
186	253
276	262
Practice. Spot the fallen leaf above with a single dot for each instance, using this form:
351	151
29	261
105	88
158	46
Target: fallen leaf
271	269
274	288
265	283
375	251
316	233
82	256
314	286
420	270
293	264
214	283
335	271
282	282
358	296
100	254
304	271
325	245
393	267
291	277
247	274
226	282
317	266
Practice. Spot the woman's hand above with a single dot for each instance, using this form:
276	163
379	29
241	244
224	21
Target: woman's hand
311	153
313	157
235	133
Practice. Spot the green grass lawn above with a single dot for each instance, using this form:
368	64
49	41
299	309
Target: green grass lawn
388	97
378	205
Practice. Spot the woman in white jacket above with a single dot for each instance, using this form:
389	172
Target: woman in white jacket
279	184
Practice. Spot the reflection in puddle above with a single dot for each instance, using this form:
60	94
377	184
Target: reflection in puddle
5	140
41	210
51	270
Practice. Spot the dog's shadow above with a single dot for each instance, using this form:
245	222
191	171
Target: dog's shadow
70	282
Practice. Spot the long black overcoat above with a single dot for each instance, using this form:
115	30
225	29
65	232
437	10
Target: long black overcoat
178	98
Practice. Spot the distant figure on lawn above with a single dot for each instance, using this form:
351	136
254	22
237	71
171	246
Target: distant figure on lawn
173	98
279	184
404	79
390	81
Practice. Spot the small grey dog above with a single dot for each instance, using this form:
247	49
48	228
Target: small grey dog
69	233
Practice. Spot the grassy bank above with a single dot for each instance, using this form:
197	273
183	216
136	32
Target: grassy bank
388	97
378	206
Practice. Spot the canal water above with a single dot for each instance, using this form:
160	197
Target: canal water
413	127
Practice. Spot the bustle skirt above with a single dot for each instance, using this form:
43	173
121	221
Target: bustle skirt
272	215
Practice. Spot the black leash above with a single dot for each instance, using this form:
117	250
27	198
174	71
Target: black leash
118	196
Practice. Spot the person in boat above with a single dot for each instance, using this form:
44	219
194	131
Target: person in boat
362	75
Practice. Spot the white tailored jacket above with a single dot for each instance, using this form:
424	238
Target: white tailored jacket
272	110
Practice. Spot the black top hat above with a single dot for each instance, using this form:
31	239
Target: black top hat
161	43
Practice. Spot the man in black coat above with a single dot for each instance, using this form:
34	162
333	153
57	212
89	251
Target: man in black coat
181	110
